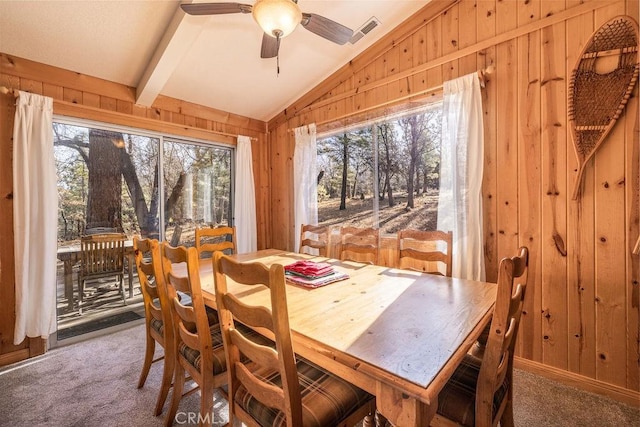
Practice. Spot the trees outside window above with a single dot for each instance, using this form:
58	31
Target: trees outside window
407	173
111	178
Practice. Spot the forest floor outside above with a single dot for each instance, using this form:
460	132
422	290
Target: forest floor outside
392	219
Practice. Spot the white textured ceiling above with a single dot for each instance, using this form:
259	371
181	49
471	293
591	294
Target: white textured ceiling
216	64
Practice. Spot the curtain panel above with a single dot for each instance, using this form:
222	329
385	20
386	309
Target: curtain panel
305	186
461	169
35	217
245	198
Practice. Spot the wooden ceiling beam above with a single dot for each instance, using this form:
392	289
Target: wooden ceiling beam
182	31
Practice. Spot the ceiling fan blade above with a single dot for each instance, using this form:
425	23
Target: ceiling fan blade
270	46
215	8
325	27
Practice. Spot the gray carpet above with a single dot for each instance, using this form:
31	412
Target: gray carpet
94	383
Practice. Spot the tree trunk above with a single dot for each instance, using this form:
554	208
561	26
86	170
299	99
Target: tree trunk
355	182
151	221
104	201
135	189
345	164
176	192
387	176
425	180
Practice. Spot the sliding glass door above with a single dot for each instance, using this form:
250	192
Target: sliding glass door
197	185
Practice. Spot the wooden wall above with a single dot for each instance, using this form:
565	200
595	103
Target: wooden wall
77	95
581	315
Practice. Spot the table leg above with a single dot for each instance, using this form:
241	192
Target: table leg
403	410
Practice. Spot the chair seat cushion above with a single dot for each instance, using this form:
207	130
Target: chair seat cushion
219	360
192	355
457	400
158	326
326	400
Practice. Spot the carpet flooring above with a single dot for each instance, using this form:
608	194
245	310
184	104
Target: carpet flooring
93	383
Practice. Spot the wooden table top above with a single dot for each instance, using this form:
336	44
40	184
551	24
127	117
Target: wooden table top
400	327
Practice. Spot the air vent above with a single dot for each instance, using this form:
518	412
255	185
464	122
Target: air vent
365	29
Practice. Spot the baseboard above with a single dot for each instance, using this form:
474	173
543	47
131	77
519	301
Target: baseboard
14	356
621	394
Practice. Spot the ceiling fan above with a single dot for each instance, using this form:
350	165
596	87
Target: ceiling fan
277	18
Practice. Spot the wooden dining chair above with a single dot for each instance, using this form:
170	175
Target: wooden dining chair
419	250
101	256
157	312
198	344
480	391
209	240
274	387
359	244
314	237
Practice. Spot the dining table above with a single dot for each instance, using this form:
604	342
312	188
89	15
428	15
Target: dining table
398	334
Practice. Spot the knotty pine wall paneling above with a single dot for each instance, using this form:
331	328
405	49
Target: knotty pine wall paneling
86	97
529	178
580	231
580	319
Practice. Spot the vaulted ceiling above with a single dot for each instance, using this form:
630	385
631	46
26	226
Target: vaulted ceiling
209	60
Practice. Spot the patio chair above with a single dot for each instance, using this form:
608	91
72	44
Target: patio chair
101	256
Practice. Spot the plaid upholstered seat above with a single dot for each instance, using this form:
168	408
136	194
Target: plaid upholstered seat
326	399
457	400
157	325
219	366
193	356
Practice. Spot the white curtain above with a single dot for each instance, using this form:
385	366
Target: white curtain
35	216
462	159
305	191
245	198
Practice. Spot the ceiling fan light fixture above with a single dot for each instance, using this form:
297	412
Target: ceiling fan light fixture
277	18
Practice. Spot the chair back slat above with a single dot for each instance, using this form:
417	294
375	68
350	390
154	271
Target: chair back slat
257	317
270	395
497	362
210	240
263	356
359	244
419	250
287	398
314	237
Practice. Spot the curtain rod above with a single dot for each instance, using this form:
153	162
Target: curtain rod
15	92
482	76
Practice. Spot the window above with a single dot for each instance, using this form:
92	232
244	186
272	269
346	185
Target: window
109	178
384	174
197	182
